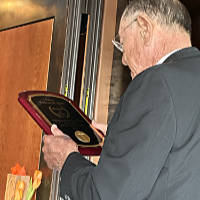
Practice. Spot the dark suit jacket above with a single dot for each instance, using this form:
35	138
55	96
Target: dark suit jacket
152	148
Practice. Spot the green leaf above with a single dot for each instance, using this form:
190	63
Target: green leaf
30	191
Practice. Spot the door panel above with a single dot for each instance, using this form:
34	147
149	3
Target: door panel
24	65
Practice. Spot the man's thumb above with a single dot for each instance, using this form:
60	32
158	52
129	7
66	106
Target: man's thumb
56	131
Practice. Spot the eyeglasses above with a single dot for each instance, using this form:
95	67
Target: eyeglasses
116	41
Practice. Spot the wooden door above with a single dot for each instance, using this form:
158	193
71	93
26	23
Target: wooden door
24	65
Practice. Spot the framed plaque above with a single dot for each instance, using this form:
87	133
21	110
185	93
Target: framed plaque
48	108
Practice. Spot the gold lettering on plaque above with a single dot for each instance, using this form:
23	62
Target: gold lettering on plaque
59	111
83	137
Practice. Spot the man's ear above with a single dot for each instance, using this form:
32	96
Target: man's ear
146	28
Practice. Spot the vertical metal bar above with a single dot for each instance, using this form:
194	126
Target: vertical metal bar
68	46
75	47
92	55
95	57
72	45
55	185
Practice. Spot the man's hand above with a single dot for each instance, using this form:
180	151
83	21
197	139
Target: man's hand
57	148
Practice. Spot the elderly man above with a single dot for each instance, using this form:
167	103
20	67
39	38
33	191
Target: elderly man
152	148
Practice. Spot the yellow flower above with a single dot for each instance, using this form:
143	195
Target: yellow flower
19	190
37	179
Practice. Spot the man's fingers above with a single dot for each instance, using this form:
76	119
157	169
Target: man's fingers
47	138
101	127
56	131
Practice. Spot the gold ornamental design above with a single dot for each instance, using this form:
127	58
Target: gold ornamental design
83	137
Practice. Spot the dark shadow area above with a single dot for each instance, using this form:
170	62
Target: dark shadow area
81	58
194	6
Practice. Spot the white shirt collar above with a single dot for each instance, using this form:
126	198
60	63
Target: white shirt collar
162	60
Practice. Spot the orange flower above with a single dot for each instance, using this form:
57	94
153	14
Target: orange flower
37	179
18	170
19	190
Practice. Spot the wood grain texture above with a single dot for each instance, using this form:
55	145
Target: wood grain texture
24	56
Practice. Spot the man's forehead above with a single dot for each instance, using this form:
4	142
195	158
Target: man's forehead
124	23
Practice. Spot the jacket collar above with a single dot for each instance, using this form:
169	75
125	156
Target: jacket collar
183	53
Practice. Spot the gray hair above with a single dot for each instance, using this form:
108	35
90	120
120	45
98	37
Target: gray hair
167	12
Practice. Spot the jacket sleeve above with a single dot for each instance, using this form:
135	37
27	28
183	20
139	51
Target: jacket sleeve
139	139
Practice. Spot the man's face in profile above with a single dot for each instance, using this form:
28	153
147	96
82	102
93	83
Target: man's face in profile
130	44
138	36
